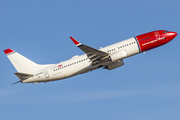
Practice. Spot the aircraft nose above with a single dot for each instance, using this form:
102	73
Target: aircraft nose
171	35
175	34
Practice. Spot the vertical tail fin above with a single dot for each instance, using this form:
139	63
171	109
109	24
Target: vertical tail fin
21	63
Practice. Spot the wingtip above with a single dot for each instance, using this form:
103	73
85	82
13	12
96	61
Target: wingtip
7	51
75	41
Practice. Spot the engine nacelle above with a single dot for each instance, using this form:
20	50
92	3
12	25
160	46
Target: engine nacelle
117	55
115	65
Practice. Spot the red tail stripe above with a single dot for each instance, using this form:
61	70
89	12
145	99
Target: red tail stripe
7	51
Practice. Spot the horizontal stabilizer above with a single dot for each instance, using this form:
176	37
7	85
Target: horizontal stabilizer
23	76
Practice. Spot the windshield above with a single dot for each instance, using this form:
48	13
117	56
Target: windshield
165	31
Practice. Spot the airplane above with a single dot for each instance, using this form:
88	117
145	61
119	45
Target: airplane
109	57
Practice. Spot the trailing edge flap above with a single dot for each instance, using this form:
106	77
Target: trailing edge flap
23	76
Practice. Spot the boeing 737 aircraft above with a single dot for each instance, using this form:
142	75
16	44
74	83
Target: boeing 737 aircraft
109	57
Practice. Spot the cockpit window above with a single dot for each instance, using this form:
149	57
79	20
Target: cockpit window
165	31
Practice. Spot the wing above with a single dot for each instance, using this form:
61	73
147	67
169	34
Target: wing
93	54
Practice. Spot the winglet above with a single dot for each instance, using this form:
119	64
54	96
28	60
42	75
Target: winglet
7	51
77	43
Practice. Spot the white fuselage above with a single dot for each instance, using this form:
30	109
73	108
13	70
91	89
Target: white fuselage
81	64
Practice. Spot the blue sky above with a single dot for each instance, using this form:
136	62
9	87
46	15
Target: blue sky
147	87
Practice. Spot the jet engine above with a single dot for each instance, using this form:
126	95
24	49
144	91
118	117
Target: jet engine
114	65
117	55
